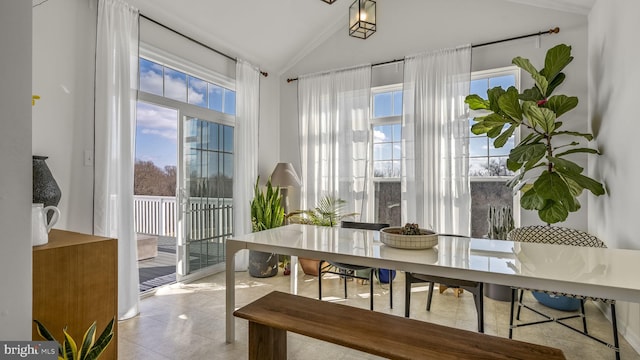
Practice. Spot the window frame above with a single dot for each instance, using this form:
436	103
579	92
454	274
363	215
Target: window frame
379	121
486	74
161	57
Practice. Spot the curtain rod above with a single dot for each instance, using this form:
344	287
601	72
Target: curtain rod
264	73
548	32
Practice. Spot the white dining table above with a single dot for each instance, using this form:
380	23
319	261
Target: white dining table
596	272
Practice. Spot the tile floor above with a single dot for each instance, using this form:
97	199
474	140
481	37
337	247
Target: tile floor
187	321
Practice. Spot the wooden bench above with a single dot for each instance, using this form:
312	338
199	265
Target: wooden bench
393	337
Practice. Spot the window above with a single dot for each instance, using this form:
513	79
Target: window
487	165
386	126
484	159
184	136
167	82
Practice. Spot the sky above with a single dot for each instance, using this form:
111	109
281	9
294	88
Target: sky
156	134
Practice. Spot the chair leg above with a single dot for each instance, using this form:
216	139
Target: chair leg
478	297
584	317
390	289
520	304
407	293
430	296
614	324
514	294
370	289
320	280
344	278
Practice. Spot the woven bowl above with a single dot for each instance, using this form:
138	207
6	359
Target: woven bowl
392	236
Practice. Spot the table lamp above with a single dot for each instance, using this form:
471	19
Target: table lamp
283	176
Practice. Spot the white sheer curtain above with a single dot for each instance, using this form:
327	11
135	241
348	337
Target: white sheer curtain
334	133
246	153
116	81
435	176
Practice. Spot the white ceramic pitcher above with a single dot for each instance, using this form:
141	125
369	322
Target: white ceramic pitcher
39	226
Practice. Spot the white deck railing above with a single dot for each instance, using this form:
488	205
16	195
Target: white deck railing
156	215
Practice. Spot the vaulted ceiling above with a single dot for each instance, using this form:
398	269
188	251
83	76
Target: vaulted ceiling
276	33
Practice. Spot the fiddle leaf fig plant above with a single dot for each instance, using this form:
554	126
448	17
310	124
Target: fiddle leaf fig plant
550	182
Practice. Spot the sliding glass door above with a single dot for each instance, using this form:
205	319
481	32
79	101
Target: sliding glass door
205	196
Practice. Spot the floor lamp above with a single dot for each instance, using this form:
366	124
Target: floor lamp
284	176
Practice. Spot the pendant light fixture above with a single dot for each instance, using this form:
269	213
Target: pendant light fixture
362	18
329	1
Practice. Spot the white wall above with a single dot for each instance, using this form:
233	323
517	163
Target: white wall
64	34
410	26
613	81
15	160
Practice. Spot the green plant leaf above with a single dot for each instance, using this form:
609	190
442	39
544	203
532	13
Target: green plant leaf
99	347
587	136
575	188
526	109
553	213
524	64
493	95
480	128
493	133
561	104
531	201
559	79
579	150
531	139
510	104
550	186
586	182
524	153
513	165
476	102
87	341
557	58
543	117
541	82
504	137
266	207
69	347
564	166
45	334
532	94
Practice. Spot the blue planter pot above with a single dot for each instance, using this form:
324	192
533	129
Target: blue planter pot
563	303
383	275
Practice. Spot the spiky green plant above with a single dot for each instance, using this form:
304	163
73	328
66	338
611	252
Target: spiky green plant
328	212
90	348
549	181
500	222
266	207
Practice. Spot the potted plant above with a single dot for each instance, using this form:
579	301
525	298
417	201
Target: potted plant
328	212
500	224
549	181
89	349
266	213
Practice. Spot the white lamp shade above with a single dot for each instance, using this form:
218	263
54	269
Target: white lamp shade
285	175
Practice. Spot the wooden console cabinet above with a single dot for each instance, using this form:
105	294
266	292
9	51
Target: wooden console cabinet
75	282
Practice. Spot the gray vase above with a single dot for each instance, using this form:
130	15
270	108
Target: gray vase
45	188
262	264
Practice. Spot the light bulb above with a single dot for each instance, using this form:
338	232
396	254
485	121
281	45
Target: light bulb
363	16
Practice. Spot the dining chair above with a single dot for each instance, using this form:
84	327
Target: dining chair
560	236
351	271
474	287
